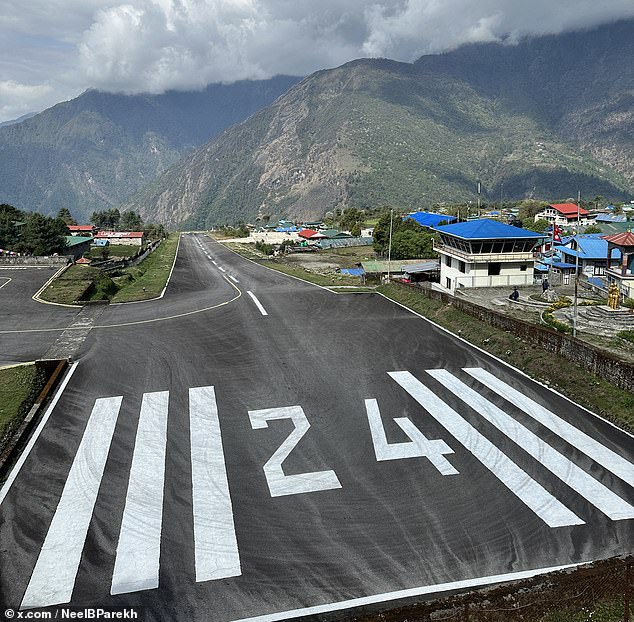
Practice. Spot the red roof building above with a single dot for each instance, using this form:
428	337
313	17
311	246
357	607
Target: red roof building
622	275
82	230
565	215
134	238
307	233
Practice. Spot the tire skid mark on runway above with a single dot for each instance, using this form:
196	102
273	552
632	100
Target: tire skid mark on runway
215	544
135	323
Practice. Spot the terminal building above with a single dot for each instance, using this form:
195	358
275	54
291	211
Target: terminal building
485	253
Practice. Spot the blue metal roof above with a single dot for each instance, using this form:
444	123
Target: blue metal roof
611	218
353	271
487	229
590	247
428	219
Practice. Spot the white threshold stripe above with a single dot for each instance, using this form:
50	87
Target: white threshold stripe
139	548
213	262
56	568
607	458
36	434
571	474
215	543
233	278
258	304
221	269
363	601
525	488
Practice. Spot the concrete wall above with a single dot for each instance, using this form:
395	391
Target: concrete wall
603	364
62	260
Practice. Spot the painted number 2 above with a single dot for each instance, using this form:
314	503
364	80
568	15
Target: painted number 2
279	483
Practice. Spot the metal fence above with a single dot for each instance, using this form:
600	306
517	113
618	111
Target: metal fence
600	592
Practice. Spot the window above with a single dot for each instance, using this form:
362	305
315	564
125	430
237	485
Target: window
462	266
448	260
523	268
448	283
494	268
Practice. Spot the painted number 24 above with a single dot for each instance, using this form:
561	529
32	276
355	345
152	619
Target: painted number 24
280	484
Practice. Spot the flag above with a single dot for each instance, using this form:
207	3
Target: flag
556	233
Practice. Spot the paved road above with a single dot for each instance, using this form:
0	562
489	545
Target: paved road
254	446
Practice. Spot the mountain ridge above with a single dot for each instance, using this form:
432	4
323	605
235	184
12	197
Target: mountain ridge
376	131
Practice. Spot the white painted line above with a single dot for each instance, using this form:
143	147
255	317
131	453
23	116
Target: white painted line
215	543
214	262
138	551
419	446
464	584
221	269
169	276
54	575
279	483
8	280
607	458
258	304
36	434
233	278
525	488
589	488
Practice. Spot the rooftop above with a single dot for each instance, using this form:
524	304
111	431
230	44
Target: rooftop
568	209
429	219
487	229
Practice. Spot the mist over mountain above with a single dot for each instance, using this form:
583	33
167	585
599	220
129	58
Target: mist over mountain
93	152
544	118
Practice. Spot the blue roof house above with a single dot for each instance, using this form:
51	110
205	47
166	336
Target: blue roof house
592	251
485	253
429	219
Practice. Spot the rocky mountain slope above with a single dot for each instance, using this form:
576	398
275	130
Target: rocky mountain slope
543	118
93	152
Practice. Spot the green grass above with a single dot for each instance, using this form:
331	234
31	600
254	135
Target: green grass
71	285
610	611
16	384
628	335
148	279
141	282
588	390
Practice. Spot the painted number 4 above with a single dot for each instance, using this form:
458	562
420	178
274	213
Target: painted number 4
280	484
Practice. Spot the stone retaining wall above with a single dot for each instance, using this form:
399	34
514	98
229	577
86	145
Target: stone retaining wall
60	260
603	364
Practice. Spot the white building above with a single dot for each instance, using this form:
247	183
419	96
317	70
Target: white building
485	253
565	215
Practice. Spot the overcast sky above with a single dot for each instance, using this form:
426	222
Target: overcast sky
52	50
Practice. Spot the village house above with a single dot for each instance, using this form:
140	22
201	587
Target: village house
133	238
592	251
565	215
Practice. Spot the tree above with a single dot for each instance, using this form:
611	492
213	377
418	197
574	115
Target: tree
592	229
356	230
108	219
130	221
9	233
539	226
42	235
65	215
409	239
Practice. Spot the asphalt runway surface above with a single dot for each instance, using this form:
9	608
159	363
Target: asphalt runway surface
254	447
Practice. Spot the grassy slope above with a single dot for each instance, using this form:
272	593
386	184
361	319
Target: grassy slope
15	385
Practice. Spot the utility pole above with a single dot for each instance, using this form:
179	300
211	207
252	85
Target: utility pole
574	312
389	246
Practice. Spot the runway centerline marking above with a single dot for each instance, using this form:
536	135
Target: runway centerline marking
258	304
233	278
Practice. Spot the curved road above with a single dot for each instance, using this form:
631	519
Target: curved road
252	446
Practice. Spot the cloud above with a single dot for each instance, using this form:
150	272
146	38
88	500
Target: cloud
16	98
155	45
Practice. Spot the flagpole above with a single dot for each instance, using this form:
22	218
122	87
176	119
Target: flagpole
574	313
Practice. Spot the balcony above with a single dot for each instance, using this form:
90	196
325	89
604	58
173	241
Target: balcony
483	257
